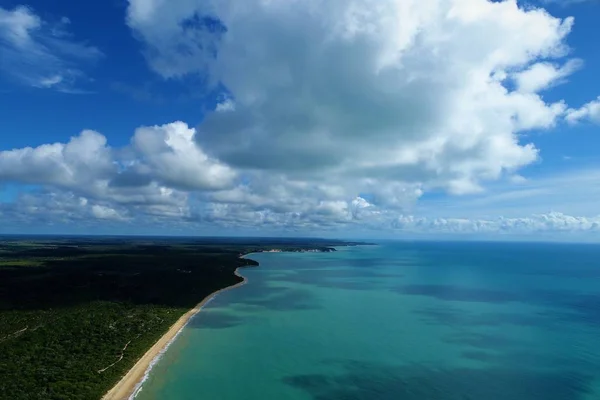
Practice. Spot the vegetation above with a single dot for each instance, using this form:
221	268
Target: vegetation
77	313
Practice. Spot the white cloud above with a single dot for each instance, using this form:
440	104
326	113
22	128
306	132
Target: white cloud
543	75
225	105
84	159
166	154
154	175
40	53
338	114
517	179
104	212
540	223
587	112
176	46
402	92
50	81
58	208
170	154
67	209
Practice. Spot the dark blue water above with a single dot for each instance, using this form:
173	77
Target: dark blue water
410	321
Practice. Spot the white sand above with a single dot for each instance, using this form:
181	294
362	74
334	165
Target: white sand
127	386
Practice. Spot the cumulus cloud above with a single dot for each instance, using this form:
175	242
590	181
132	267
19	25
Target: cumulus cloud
410	92
225	105
305	217
104	212
170	154
166	154
40	53
539	223
154	175
174	50
84	159
58	207
587	112
335	114
543	75
65	209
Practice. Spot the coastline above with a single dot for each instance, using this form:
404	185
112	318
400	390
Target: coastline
130	384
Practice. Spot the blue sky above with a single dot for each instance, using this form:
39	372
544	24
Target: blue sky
438	118
124	92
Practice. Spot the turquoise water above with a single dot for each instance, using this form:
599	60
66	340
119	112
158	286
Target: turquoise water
409	321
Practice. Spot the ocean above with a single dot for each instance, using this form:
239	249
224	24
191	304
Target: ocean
397	321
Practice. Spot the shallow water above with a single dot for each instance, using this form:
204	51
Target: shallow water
436	321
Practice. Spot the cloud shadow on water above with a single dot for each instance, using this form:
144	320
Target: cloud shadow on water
216	319
458	293
528	360
456	317
275	298
346	278
561	305
492	341
477	355
368	381
290	300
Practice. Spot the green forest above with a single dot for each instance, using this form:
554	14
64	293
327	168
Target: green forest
77	313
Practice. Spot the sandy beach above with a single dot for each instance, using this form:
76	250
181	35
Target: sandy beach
128	384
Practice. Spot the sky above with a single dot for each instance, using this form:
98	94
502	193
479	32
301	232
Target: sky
333	118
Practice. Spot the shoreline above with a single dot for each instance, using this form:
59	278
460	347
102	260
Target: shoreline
130	384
